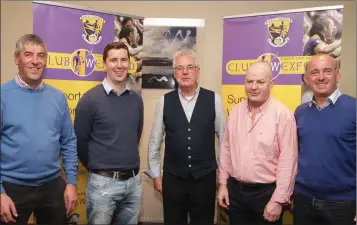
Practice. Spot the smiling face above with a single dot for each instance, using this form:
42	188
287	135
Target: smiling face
117	65
322	75
31	61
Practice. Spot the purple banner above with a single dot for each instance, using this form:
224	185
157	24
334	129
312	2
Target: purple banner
75	41
268	38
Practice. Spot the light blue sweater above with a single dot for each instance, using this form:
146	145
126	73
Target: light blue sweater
36	128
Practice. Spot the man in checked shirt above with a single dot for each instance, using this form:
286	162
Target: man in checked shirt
258	161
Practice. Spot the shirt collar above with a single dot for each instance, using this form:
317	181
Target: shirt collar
332	98
194	94
23	84
262	108
108	88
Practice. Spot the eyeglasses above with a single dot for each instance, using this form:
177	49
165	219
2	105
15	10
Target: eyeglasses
190	68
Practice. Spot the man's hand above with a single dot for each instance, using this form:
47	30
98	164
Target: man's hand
158	184
222	196
272	211
8	210
70	197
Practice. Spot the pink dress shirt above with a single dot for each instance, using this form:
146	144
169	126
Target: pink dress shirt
261	151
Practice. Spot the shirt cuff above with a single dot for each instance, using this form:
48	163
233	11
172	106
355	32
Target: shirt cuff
71	179
2	190
223	177
279	199
153	174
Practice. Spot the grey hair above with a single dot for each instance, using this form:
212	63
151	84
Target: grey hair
337	63
29	39
184	52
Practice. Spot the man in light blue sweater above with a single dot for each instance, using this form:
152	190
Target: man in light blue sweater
36	129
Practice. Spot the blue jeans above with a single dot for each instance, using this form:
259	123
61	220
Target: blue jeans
311	211
109	198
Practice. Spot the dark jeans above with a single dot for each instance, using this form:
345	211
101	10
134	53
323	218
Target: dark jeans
247	203
193	197
311	211
45	201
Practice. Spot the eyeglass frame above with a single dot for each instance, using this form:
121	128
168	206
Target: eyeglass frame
180	69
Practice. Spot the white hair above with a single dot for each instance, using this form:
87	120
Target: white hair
182	53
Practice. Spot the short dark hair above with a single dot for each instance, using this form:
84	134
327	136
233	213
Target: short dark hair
114	45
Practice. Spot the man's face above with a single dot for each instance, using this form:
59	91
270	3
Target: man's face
186	71
31	62
258	84
117	65
134	36
322	76
129	24
330	30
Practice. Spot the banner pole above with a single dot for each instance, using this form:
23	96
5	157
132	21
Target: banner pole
286	11
85	8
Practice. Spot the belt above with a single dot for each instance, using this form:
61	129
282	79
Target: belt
118	175
252	186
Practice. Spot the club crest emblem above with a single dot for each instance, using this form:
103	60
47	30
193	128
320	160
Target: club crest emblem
83	62
92	26
278	29
272	60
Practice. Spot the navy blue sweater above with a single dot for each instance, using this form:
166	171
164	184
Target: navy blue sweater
327	150
108	129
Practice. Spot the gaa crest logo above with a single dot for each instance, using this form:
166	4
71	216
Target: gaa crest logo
92	26
278	29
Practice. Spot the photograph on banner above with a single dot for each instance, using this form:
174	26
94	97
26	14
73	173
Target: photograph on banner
130	31
160	44
322	34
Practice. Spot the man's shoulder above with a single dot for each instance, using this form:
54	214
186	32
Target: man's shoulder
241	105
56	92
282	109
8	86
97	90
171	93
136	95
348	99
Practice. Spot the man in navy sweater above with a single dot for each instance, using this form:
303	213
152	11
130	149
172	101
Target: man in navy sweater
35	129
108	125
325	189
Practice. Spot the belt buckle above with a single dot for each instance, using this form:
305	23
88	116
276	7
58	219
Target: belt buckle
116	175
120	175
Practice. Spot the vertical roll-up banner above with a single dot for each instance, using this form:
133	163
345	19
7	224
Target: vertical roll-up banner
75	38
286	40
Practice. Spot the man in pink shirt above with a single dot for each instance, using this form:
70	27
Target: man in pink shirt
258	161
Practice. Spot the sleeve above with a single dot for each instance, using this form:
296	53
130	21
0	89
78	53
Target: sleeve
287	164
219	123
225	164
2	190
141	120
68	146
155	141
83	123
